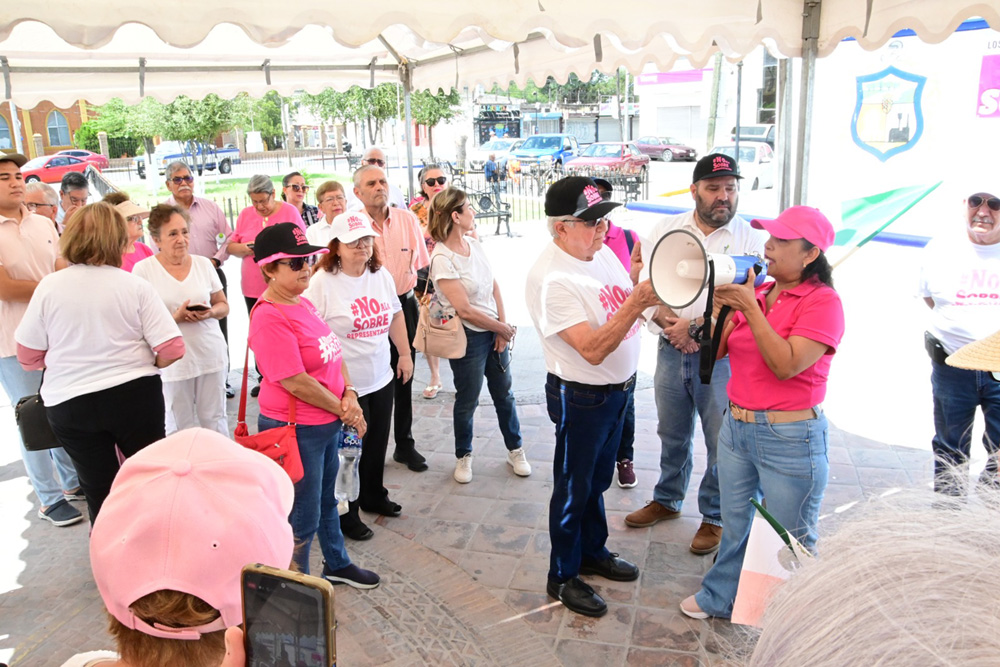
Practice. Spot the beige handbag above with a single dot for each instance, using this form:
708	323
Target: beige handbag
436	337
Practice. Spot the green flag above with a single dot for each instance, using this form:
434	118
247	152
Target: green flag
865	217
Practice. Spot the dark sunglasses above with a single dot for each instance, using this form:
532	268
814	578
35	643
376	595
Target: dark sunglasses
299	188
375	160
440	180
177	180
295	264
975	201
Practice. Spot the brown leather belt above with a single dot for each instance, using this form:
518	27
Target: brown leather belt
773	416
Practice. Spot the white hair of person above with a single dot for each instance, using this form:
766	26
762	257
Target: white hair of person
174	167
359	172
48	192
370	151
910	581
551	221
260	184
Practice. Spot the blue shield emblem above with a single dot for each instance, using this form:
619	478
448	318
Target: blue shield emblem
888	118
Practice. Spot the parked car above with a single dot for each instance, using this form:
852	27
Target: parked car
51	168
763	133
666	149
614	156
756	163
100	161
171	151
500	148
543	151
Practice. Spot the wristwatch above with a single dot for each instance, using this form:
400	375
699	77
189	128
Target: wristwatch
694	329
350	387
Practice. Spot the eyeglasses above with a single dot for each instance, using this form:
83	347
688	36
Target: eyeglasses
333	198
375	160
590	224
299	188
440	180
34	207
366	241
135	219
295	264
179	180
78	201
975	201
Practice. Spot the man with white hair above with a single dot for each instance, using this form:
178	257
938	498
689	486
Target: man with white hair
960	282
41	198
375	156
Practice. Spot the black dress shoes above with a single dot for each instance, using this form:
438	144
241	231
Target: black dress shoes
412	458
230	391
385	507
612	567
577	597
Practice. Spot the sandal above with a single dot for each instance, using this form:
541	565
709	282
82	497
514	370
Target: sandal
431	391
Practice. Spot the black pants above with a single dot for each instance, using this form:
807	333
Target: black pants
377	409
223	323
403	415
89	427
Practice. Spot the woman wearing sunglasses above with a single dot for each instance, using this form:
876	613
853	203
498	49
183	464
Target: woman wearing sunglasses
302	362
293	191
432	181
780	340
464	281
356	296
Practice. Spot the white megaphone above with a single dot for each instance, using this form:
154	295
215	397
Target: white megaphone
679	268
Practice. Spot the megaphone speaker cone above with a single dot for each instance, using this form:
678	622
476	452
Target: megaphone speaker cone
678	268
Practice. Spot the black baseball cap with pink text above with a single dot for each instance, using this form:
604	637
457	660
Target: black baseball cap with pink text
577	196
714	165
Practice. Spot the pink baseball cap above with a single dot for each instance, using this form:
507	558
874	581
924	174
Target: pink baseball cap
800	222
186	514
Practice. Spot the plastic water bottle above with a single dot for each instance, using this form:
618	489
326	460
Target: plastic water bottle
349	453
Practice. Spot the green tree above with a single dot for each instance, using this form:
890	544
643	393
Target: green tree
371	107
261	115
430	109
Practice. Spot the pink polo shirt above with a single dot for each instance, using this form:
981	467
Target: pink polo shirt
28	251
248	226
401	248
811	310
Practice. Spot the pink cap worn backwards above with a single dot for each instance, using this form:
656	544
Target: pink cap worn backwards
186	514
800	222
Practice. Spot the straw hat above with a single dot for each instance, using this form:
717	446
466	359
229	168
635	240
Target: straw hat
982	355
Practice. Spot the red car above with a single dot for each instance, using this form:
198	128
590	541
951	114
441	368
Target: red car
666	149
51	168
99	160
615	156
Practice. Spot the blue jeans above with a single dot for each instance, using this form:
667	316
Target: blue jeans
957	392
787	465
50	471
626	450
680	396
481	360
315	506
588	431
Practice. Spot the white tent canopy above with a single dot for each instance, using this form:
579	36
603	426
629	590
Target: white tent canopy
58	51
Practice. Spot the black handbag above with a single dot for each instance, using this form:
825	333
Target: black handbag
33	423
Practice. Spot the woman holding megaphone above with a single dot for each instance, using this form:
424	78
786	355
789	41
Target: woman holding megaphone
780	339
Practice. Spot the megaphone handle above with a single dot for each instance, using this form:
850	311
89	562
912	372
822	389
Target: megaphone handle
706	360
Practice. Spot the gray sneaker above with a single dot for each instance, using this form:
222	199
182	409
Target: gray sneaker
61	513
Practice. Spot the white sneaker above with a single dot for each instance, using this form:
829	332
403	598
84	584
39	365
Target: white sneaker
516	460
463	469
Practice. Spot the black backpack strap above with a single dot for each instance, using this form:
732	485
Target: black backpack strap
629	240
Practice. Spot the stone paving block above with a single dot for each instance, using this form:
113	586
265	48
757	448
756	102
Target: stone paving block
576	652
664	628
875	458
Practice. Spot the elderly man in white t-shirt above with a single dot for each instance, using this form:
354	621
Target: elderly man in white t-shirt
960	282
588	317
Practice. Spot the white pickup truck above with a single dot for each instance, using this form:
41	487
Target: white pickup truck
191	154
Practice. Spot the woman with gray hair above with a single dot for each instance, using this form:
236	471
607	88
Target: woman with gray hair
264	211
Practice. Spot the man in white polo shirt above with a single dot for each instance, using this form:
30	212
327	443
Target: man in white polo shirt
588	317
29	250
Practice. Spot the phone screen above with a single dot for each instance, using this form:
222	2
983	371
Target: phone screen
286	622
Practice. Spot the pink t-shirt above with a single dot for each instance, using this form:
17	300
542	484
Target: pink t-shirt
248	226
616	241
811	310
141	252
286	343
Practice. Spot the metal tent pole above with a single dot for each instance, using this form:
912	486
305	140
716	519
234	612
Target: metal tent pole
810	35
405	73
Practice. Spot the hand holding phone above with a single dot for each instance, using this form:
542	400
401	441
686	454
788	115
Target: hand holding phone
198	308
288	618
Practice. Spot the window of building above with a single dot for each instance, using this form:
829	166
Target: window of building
5	140
58	129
